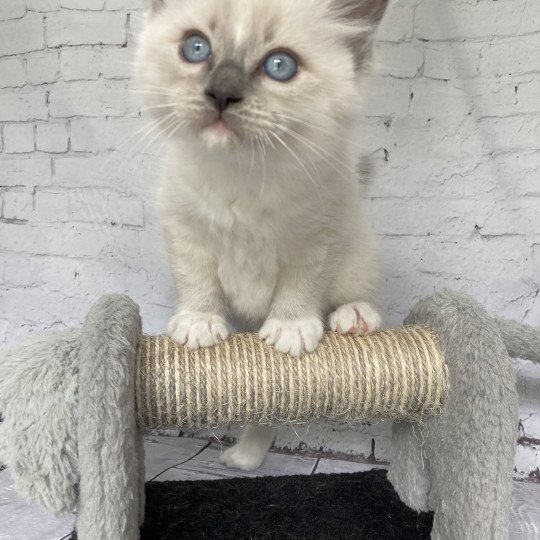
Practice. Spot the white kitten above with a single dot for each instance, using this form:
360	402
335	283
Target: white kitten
261	205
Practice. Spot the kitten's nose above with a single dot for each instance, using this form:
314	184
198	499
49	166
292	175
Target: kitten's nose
227	85
221	99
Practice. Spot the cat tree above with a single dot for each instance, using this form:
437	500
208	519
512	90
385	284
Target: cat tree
76	403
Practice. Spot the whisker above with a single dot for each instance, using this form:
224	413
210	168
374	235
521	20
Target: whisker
318	150
170	119
300	162
310	124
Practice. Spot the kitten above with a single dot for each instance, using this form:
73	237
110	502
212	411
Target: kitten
261	207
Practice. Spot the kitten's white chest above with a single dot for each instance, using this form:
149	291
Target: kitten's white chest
247	263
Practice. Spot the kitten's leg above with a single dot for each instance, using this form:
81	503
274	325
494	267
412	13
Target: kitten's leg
200	320
294	324
351	290
249	452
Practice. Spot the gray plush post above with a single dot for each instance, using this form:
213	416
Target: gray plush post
110	447
460	463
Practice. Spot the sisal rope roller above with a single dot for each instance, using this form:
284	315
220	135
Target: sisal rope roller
394	374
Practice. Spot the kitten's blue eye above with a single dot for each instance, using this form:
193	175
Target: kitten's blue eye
196	49
280	66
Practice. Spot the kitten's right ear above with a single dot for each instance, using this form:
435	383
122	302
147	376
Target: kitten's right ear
157	5
365	15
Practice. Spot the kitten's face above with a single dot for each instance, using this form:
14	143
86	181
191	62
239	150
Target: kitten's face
239	73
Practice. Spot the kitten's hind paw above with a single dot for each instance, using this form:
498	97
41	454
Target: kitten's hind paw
197	329
357	319
241	457
293	337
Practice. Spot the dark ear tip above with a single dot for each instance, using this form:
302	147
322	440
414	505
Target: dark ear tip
157	4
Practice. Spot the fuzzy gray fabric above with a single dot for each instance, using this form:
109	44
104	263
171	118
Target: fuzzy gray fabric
521	341
38	437
70	438
110	446
460	463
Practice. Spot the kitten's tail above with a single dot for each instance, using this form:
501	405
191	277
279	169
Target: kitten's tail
521	341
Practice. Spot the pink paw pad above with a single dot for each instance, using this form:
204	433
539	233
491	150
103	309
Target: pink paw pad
357	319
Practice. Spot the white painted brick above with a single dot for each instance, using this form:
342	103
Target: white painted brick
52	273
86	98
117	62
84	171
399	60
397	24
25	172
453	217
451	19
52	137
22	35
12	9
512	217
432	98
51	206
511	134
83	4
89	63
86	28
387	96
12	72
18	138
126	4
504	97
437	142
27	305
23	105
515	55
492	98
525	168
75	241
43	5
103	206
100	134
129	173
452	60
528	97
42	67
18	204
79	63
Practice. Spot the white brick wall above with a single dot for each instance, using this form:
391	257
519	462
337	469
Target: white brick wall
453	121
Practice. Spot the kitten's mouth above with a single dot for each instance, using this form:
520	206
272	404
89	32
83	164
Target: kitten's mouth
221	127
219	132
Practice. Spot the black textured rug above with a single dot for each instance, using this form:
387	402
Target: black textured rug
334	506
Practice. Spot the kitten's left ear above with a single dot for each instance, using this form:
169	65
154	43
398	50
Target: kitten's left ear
366	15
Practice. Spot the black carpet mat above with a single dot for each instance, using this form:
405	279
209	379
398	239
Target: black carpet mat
322	506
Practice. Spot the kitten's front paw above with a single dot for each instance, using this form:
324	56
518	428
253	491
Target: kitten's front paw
293	337
241	457
357	318
197	329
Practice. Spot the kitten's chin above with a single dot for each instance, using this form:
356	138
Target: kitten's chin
219	134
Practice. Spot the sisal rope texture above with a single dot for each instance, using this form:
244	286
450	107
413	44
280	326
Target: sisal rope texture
394	374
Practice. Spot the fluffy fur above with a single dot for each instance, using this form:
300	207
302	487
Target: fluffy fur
261	204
